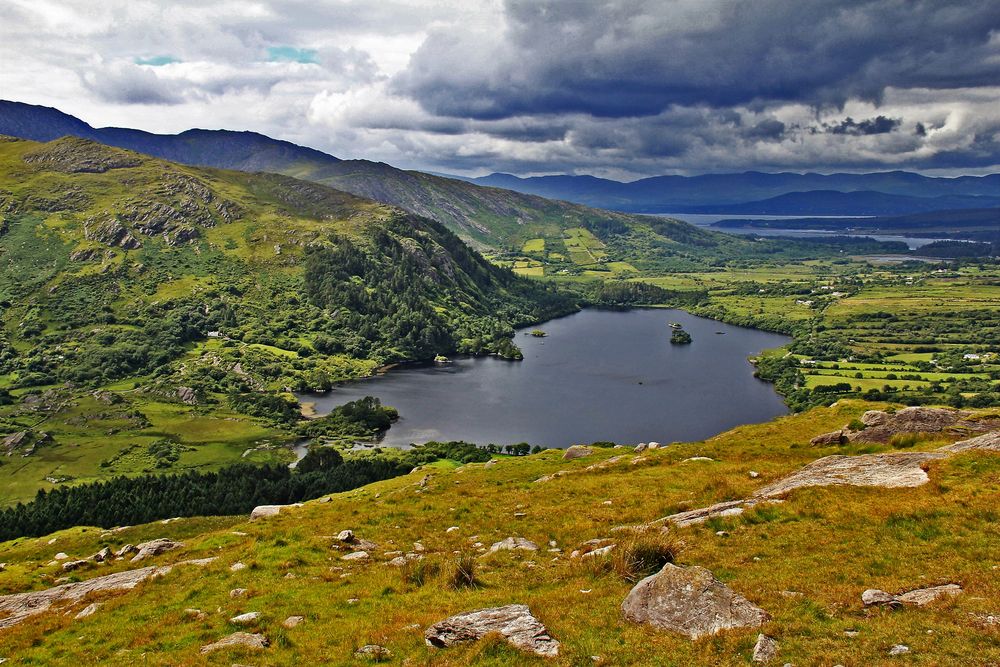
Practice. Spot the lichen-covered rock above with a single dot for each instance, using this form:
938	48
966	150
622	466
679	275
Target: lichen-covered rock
264	511
577	452
765	650
896	470
690	601
238	639
17	607
918	597
514	622
373	653
248	618
155	548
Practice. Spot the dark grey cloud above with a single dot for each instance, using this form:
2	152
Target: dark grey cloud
877	125
639	57
622	88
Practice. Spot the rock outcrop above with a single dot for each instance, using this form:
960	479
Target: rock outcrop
881	426
918	597
891	470
238	639
20	606
514	622
895	470
76	155
690	601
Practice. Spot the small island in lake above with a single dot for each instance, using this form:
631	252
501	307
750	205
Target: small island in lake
680	337
538	333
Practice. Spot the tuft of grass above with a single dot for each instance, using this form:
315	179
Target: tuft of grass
463	572
643	552
419	572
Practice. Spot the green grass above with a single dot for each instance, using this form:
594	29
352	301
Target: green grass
824	545
533	245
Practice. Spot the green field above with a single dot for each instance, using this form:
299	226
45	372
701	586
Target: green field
533	245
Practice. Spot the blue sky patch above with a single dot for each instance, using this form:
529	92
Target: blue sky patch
291	54
156	61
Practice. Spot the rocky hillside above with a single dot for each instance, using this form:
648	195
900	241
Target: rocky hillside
130	286
764	545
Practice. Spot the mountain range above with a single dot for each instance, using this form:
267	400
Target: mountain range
756	193
501	211
485	216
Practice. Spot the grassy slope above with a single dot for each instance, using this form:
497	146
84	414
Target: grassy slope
253	262
824	545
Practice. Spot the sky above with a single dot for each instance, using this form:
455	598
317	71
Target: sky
613	88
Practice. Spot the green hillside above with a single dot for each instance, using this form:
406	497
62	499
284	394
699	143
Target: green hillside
805	557
155	315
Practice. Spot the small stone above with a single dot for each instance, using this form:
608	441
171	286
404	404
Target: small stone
899	649
513	544
373	652
356	555
873	597
60	556
451	529
69	566
346	536
237	566
195	613
597	553
237	592
102	555
248	618
765	650
292	621
754	474
88	610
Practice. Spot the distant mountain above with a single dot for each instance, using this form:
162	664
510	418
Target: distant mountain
690	194
486	216
973	224
862	202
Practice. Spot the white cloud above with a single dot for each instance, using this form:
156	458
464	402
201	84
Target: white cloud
531	87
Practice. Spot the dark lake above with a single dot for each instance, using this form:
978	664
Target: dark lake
598	375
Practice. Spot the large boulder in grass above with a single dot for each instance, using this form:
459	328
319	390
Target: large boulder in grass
264	511
891	471
577	452
514	622
691	602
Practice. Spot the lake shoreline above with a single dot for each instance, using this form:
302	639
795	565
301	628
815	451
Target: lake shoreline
559	387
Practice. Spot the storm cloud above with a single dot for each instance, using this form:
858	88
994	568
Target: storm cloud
620	88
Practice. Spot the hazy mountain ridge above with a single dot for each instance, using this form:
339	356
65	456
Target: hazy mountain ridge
486	216
690	194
